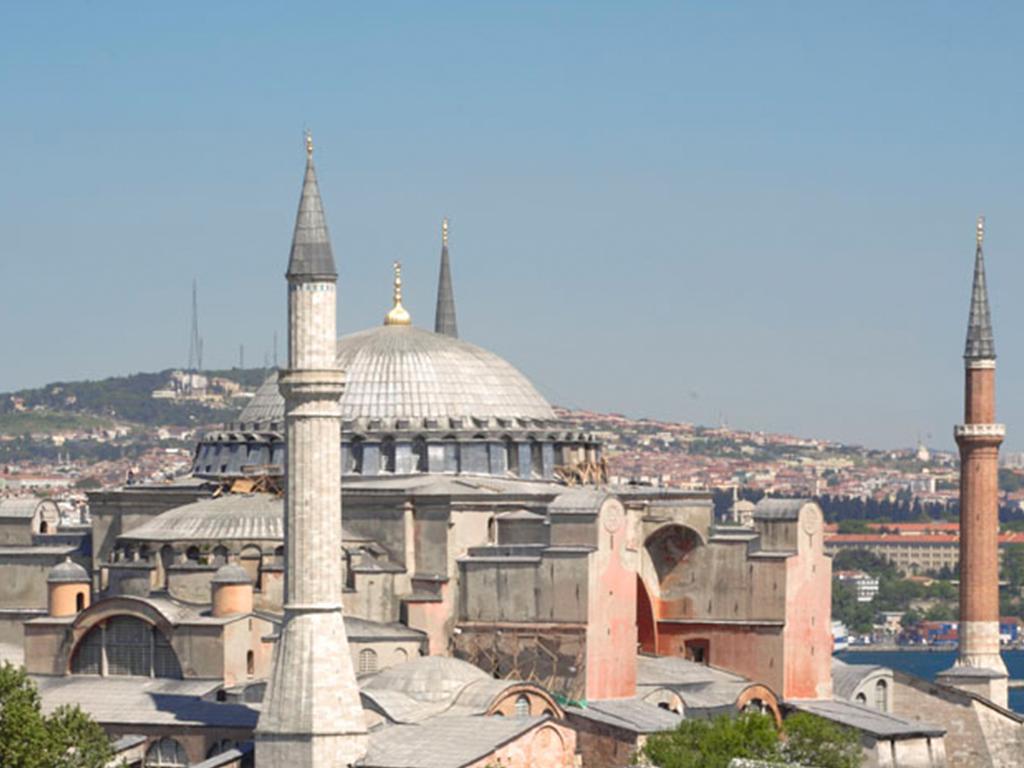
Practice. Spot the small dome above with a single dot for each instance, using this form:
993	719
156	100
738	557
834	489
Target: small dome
400	372
68	572
231	574
427	678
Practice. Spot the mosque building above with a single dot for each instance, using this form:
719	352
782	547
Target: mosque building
399	556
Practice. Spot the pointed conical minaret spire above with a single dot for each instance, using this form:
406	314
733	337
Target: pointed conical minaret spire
311	246
444	319
980	341
311	716
979	667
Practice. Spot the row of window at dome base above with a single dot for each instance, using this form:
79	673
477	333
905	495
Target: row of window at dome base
525	456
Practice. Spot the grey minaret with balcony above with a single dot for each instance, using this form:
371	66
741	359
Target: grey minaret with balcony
312	716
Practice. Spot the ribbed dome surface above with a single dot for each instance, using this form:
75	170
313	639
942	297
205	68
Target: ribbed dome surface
234	516
403	372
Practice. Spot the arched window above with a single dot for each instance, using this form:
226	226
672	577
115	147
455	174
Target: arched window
451	454
881	699
192	553
401	655
511	457
129	647
523	705
220	554
367	661
419	454
125	646
387	455
44	527
251	560
355	449
861	699
166	753
250	663
536	458
80	602
166	560
86	660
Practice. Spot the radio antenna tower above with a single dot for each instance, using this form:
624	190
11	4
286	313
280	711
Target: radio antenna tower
195	342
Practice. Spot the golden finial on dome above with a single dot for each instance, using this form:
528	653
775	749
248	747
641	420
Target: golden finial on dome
981	229
309	144
398	314
444	231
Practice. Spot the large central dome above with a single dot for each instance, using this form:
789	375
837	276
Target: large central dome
406	377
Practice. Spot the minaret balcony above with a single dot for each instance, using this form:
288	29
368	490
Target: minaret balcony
979	430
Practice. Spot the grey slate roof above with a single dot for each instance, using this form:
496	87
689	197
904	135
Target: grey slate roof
701	687
23	508
400	372
444	316
846	677
255	516
365	630
871	721
579	501
633	715
980	340
444	742
311	255
68	572
779	509
143	701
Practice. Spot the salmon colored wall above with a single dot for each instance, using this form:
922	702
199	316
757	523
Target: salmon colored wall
754	653
231	599
549	745
611	610
432	618
808	633
64	598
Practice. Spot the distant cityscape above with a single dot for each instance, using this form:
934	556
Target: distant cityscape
51	445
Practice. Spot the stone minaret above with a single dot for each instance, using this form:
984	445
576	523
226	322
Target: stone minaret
312	716
444	318
979	666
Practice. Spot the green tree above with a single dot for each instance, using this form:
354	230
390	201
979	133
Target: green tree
67	738
857	616
1013	565
809	740
1009	481
714	743
77	741
812	740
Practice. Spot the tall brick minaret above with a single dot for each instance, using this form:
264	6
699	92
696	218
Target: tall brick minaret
979	667
312	716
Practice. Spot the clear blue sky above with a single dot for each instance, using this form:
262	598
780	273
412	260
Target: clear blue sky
761	210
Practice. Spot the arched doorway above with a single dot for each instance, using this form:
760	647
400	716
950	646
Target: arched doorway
646	626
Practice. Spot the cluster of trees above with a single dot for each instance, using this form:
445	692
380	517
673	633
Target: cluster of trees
66	738
129	398
806	740
895	593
